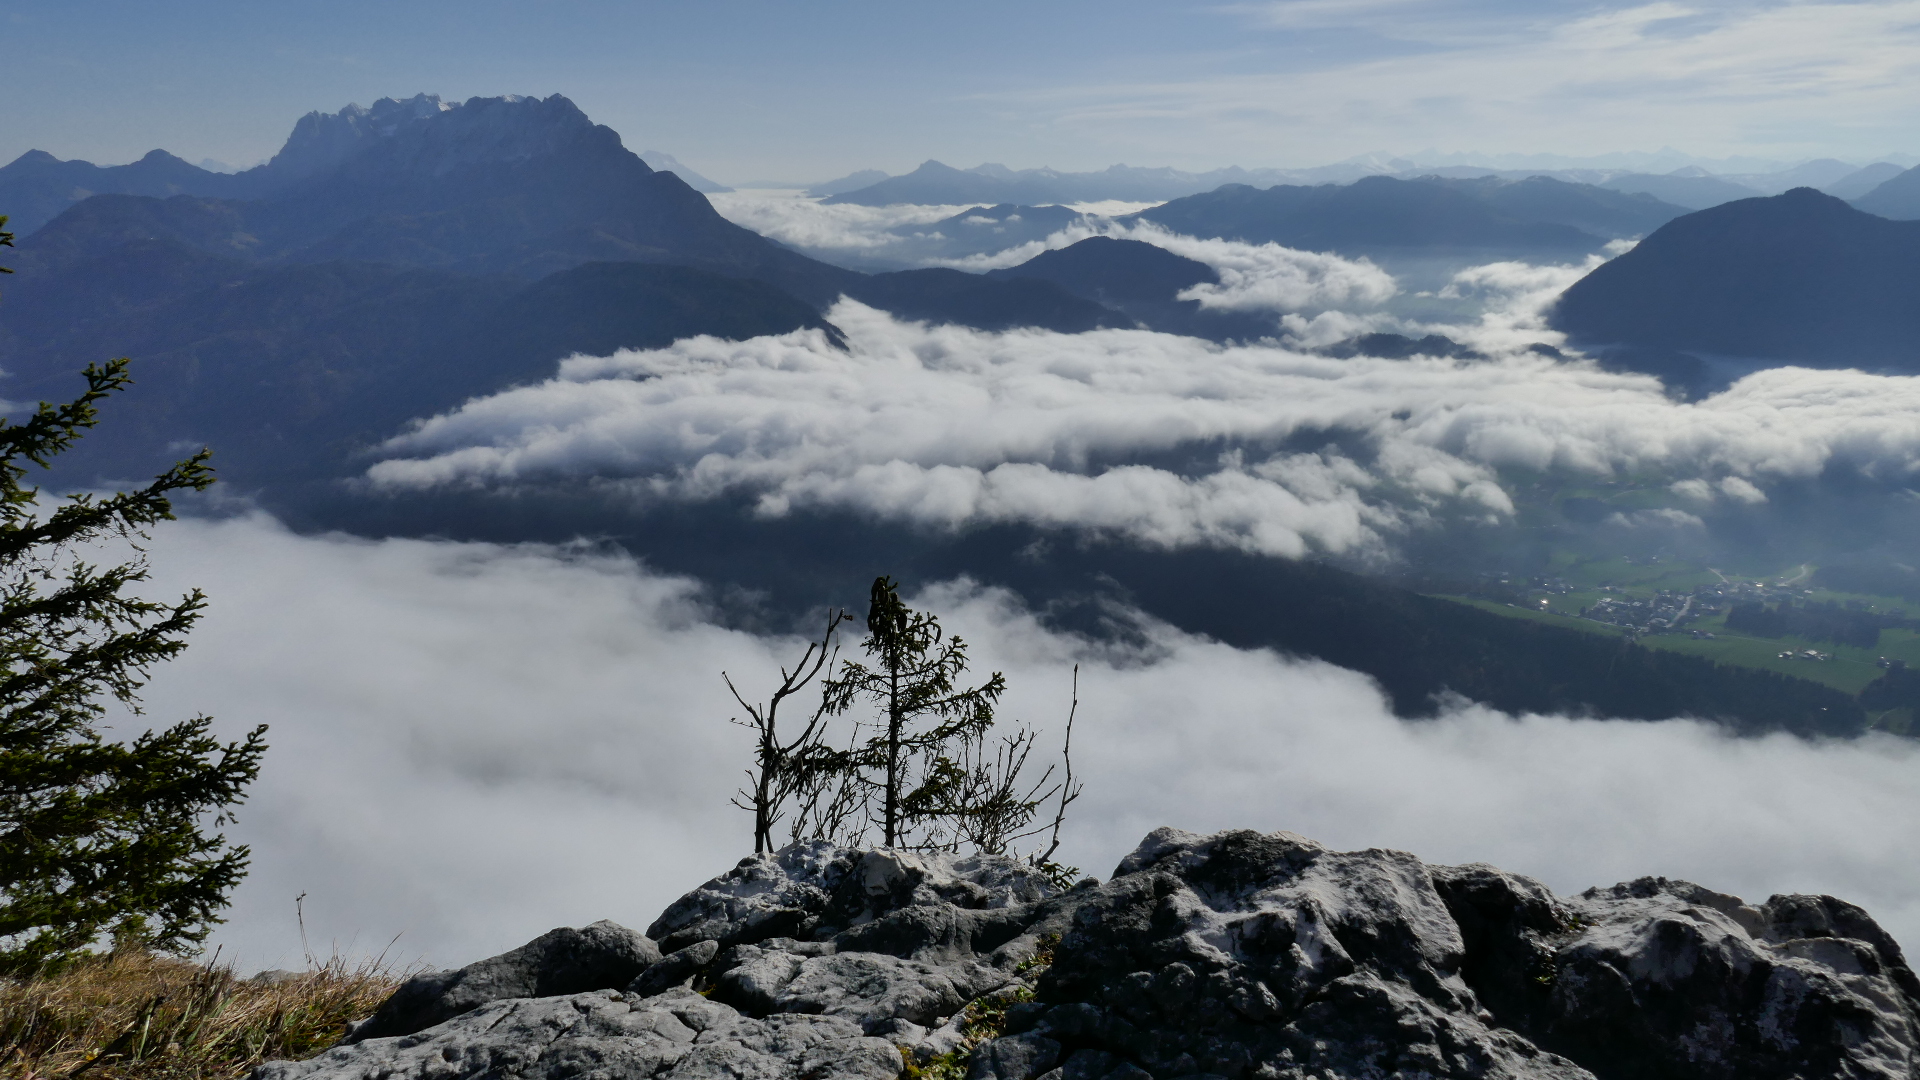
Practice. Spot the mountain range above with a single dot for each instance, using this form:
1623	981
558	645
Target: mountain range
936	184
1381	214
1688	187
390	262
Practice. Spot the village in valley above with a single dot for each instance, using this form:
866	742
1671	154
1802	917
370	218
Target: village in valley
1790	621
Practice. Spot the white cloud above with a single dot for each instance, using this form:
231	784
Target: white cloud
948	427
1741	490
1514	298
1268	277
1696	489
794	218
472	744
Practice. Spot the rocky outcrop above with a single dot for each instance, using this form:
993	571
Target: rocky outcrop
1233	955
604	956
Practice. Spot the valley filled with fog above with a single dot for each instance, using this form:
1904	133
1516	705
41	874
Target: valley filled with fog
1383	503
476	742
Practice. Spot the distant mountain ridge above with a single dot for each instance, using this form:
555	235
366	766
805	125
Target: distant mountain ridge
934	183
937	184
1381	214
37	187
1898	197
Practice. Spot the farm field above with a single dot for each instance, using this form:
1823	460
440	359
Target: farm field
1622	589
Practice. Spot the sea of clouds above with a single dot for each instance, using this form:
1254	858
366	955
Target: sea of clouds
472	744
950	427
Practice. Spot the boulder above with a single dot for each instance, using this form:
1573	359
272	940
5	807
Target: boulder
1237	955
603	956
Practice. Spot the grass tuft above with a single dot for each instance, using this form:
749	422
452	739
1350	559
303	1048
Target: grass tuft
985	1018
137	1016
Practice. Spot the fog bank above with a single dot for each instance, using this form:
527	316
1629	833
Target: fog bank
472	744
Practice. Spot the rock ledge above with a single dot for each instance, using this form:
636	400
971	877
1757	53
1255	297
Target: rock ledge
1236	955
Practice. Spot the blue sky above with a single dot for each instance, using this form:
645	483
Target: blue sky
751	89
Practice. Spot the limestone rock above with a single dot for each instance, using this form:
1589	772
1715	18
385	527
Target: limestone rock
603	956
1238	955
675	1036
678	968
814	889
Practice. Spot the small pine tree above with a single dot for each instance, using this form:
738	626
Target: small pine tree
925	725
99	840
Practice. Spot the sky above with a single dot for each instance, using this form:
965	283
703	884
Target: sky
755	90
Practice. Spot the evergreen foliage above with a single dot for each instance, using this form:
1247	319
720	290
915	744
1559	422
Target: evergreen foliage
923	718
99	839
927	770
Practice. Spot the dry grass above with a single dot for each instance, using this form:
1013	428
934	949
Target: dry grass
136	1016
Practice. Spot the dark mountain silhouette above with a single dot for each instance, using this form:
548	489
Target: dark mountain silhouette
941	295
996	228
507	185
1375	214
1115	272
1898	197
1591	209
1141	280
410	256
510	187
37	187
291	370
322	142
1800	276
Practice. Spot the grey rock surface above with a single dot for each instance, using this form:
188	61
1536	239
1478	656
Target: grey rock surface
1236	955
603	956
814	890
678	1035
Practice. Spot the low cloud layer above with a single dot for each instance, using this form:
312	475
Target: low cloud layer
472	744
794	219
949	427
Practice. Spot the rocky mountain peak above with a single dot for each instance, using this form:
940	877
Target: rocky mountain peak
438	133
321	141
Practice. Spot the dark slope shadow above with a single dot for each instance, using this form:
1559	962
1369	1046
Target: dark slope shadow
1416	647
